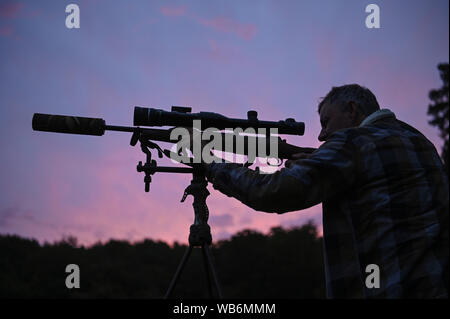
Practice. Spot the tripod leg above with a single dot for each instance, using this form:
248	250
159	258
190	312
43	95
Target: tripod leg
213	270
205	264
178	272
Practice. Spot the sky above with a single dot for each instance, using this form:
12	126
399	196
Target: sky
276	57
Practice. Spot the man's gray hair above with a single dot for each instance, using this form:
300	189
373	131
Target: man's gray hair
341	95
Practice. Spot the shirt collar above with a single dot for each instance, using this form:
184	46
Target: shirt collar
378	115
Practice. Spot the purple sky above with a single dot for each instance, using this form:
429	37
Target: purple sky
277	57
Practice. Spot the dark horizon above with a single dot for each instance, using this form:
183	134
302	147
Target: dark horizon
246	265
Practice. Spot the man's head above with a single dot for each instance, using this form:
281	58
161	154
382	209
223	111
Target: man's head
345	106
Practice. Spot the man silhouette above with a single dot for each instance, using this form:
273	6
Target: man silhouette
384	193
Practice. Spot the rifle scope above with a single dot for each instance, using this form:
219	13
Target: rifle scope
182	116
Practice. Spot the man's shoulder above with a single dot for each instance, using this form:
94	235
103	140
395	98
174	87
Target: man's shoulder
379	130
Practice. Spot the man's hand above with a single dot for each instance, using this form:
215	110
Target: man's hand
298	156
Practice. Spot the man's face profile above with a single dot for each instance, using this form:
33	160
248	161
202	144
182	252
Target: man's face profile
335	117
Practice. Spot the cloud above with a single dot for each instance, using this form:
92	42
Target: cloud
221	220
223	235
10	10
173	11
139	26
6	31
312	214
15	217
222	53
6	215
109	201
245	220
227	25
222	24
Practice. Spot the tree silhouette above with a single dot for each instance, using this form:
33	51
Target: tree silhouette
285	263
439	110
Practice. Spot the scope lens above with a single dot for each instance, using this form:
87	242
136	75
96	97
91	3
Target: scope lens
141	115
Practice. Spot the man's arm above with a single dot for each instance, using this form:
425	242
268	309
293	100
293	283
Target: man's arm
286	150
327	172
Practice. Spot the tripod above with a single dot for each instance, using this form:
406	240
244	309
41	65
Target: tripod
200	232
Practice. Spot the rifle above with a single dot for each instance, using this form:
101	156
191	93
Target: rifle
179	116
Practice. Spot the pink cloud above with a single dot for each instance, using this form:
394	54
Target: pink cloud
222	24
140	26
6	31
227	25
10	10
117	207
221	220
173	11
221	53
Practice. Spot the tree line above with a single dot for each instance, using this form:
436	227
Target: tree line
285	263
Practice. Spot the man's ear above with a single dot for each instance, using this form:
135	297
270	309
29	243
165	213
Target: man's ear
354	111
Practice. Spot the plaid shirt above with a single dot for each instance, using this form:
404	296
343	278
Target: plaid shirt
385	202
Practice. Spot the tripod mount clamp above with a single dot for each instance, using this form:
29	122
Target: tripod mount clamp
150	167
